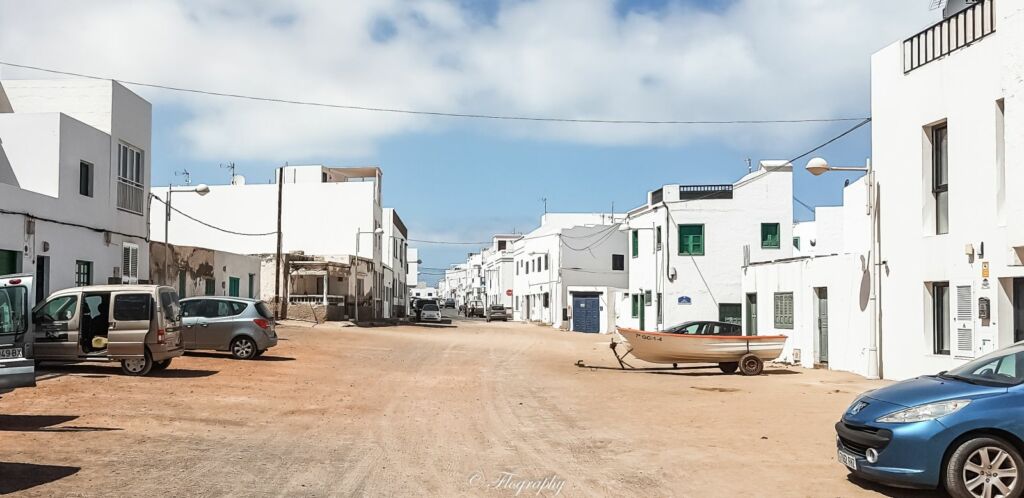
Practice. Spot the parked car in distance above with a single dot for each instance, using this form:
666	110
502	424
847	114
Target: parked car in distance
960	429
449	303
430	313
17	368
706	328
243	327
496	312
138	325
475	309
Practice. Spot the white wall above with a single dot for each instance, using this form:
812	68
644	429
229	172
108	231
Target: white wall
412	278
961	89
763	196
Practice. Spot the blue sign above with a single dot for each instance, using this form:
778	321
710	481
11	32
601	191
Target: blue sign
684	300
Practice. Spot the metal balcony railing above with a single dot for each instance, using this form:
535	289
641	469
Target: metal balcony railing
131	196
950	34
693	192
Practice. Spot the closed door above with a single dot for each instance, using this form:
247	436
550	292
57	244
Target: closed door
751	314
56	328
233	285
643	305
9	262
586	314
1018	309
822	295
130	323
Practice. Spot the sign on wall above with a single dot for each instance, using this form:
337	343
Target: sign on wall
685	300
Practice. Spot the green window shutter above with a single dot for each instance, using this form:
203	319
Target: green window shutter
691	240
636	305
784	310
636	243
771	235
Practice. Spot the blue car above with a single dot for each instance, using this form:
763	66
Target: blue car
961	429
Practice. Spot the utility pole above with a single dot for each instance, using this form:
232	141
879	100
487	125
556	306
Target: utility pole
545	201
277	260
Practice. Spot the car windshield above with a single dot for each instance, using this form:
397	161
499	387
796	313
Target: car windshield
689	328
1001	368
13	315
430	307
498	308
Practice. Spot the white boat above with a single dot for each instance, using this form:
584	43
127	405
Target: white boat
746	352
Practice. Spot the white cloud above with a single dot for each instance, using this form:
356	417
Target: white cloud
572	58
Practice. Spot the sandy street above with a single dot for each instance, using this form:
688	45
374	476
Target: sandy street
470	409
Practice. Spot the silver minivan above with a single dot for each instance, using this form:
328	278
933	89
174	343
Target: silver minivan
244	327
137	325
16	299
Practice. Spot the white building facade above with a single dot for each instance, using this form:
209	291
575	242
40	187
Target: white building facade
688	244
499	270
948	146
74	182
567	271
396	265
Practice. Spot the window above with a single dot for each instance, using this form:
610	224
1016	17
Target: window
647	298
83	273
657	238
784	310
129	263
659	308
85	179
730	313
545	261
940	317
636	243
518	266
546	303
796	243
130	179
771	237
501	245
940	177
169	304
211	287
636	305
132	307
60	309
618	262
691	240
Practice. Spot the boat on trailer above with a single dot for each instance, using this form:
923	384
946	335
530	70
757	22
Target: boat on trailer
731	352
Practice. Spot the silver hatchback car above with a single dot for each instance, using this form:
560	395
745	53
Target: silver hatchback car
245	327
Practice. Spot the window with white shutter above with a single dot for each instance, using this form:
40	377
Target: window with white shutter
129	263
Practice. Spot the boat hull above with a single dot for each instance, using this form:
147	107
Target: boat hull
660	347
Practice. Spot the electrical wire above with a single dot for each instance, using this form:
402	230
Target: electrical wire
201	222
437	113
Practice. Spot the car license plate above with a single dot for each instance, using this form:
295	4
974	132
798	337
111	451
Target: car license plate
848	460
6	353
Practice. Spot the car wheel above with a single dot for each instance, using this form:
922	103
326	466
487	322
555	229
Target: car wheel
137	367
728	367
161	365
750	364
243	348
985	467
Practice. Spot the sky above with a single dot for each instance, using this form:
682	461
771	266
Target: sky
458	179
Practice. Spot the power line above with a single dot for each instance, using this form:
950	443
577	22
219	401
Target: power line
837	137
394	110
201	222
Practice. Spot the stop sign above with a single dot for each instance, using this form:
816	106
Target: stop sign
508	293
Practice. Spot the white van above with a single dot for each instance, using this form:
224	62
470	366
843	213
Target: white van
16	299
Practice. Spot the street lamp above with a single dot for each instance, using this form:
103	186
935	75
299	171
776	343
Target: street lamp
818	166
355	275
200	189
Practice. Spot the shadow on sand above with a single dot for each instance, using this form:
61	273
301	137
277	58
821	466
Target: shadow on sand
21	476
45	423
227	356
688	371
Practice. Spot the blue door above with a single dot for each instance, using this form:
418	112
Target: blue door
586	313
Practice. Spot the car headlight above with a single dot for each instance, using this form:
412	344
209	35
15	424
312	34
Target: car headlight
920	413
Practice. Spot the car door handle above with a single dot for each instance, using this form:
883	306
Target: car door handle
204	324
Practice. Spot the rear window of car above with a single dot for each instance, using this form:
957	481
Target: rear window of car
169	304
221	309
130	307
498	308
264	310
430	307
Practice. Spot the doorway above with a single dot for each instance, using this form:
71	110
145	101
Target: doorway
42	278
1018	309
586	312
821	294
9	262
751	314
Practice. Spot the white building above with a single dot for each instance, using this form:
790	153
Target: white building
396	261
74	182
197	271
423	292
325	212
948	143
412	277
499	270
688	243
455	283
566	272
820	300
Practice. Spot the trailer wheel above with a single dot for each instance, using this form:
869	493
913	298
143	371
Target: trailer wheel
750	364
728	367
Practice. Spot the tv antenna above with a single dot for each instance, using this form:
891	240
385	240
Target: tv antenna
545	201
230	167
186	174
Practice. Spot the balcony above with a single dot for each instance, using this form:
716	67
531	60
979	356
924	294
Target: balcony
694	192
949	35
131	196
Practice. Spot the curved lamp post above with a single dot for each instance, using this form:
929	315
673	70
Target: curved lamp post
200	189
